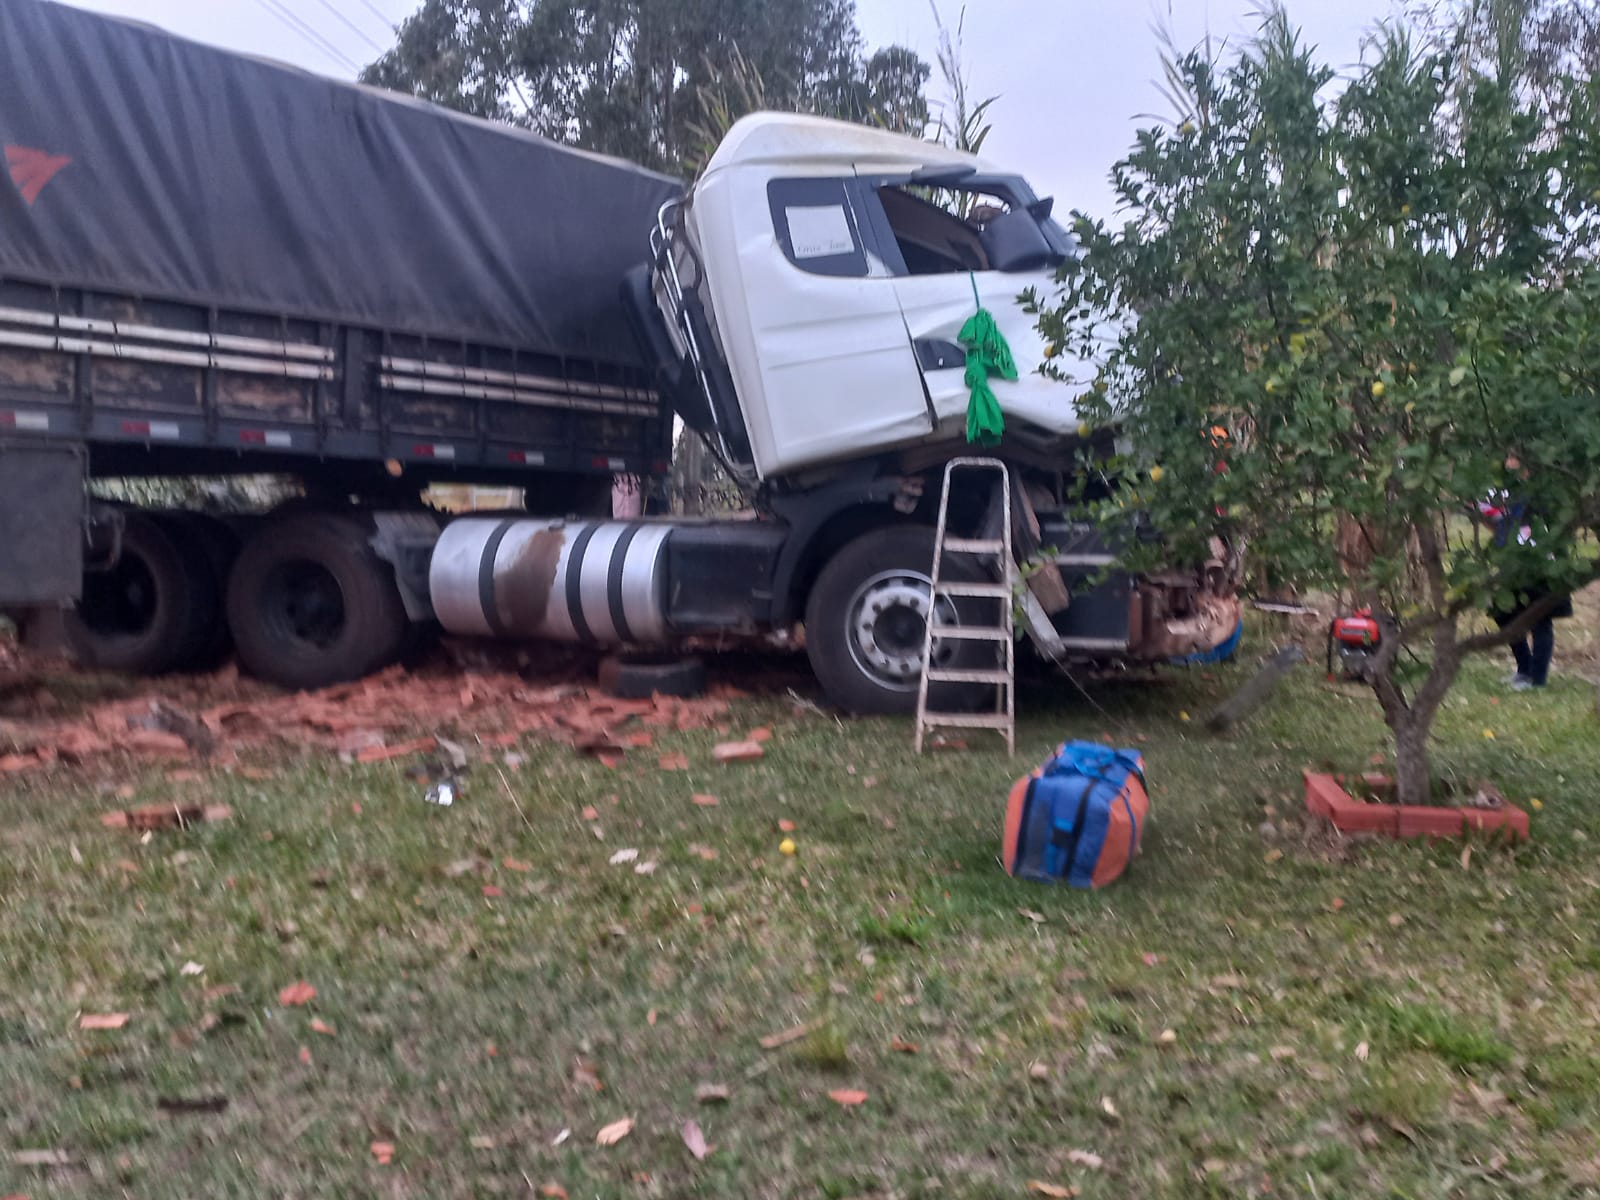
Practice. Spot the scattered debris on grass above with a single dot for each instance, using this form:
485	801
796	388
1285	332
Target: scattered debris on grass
613	1133
373	720
297	994
774	1040
102	1020
711	1093
847	1097
695	1140
191	1105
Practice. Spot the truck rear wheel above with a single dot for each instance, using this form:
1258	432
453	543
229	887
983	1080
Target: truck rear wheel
866	620
155	610
310	603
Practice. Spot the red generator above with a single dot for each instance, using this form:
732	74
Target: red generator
1354	639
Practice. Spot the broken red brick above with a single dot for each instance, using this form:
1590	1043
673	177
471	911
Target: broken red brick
727	752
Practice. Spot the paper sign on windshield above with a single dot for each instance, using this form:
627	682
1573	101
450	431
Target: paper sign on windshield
819	232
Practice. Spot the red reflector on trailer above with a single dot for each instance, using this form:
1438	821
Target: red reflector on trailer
253	437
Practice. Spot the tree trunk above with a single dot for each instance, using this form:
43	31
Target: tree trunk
1413	775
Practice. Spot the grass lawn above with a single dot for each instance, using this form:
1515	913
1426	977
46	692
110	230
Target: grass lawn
1345	1019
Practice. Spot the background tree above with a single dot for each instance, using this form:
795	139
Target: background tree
1358	305
630	77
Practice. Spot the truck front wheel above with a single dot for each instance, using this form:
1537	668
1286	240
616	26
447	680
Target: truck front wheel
310	603
867	617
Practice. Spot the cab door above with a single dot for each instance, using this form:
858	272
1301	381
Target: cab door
943	274
837	369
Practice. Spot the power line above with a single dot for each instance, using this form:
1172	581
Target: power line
278	9
350	25
375	11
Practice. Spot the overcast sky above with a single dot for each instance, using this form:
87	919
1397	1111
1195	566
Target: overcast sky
1073	76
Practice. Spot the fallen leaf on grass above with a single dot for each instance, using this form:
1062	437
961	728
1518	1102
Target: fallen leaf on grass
1168	1037
1036	917
463	866
786	826
1363	1052
773	1040
623	856
613	1133
1040	1188
591	813
900	1047
674	762
645	868
1151	959
318	1025
711	1093
553	1191
479	1142
705	852
491	891
759	735
1272	856
1337	903
705	801
559	1139
1466	858
42	1158
728	752
695	1140
1397	919
1109	1109
1227	981
383	1152
296	994
102	1020
848	1097
191	968
305	1055
1038	1070
219	991
516	864
1085	1158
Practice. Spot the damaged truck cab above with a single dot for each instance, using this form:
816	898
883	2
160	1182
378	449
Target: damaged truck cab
803	304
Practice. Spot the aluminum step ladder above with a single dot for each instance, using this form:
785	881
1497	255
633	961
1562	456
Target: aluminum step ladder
994	629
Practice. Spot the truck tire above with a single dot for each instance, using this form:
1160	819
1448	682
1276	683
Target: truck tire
218	546
154	610
638	677
311	604
865	625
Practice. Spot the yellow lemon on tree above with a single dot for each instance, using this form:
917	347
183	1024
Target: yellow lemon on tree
1083	429
1378	389
1052	350
1186	128
786	846
1156	472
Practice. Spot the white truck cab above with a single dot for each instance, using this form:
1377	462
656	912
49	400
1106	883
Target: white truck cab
835	265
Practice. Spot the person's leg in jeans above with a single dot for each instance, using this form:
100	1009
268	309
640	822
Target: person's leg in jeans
1544	649
1520	649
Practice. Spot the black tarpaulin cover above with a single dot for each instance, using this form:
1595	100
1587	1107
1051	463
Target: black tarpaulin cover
139	162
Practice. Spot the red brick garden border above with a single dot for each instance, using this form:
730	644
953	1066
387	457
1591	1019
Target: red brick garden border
1326	797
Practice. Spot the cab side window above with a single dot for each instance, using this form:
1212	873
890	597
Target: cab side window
816	225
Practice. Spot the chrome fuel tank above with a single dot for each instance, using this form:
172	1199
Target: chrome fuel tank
598	582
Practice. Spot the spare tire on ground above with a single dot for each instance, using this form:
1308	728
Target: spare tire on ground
640	676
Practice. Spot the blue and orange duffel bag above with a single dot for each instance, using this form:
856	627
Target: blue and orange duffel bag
1078	818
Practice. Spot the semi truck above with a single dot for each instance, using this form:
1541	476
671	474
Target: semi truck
212	264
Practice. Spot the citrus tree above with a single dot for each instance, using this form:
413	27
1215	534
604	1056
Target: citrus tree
1347	303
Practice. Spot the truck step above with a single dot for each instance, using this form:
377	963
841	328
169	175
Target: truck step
975	545
994	591
967	720
971	633
956	675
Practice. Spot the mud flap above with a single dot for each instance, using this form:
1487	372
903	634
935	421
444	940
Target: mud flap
43	508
